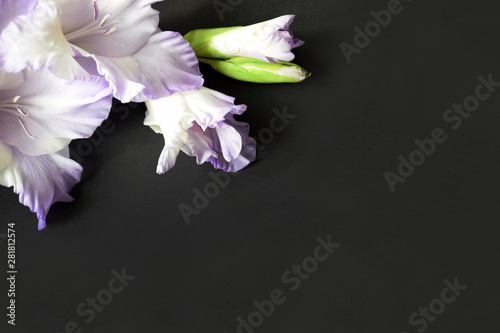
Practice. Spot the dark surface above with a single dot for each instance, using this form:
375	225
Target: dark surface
323	175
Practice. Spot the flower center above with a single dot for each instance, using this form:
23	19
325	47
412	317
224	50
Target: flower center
103	27
21	111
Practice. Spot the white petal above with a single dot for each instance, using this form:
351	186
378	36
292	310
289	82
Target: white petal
167	159
164	115
10	80
194	122
120	28
35	41
54	111
262	41
42	180
5	156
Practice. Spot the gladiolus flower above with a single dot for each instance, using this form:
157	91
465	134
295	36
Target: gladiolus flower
119	40
39	115
201	124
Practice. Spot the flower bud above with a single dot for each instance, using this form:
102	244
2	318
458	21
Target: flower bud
258	71
269	41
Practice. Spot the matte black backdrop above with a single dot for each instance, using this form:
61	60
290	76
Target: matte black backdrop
322	175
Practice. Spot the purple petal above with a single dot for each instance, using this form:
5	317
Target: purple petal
88	64
10	9
288	36
199	145
165	65
247	154
210	146
230	141
46	112
168	64
42	180
123	75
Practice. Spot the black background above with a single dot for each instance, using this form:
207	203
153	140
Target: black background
323	175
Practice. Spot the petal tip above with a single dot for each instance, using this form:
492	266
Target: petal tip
41	224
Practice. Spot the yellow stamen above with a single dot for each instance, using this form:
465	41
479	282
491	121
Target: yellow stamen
21	111
104	19
25	129
110	31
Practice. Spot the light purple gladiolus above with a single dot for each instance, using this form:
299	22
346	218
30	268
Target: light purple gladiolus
117	39
201	124
39	115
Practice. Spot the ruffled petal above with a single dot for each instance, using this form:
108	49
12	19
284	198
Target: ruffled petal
208	107
230	141
51	112
10	9
164	116
199	145
165	65
201	124
110	28
168	65
42	180
176	113
248	152
35	41
123	75
208	146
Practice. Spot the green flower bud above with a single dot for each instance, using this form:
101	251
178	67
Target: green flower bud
258	71
270	41
200	40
